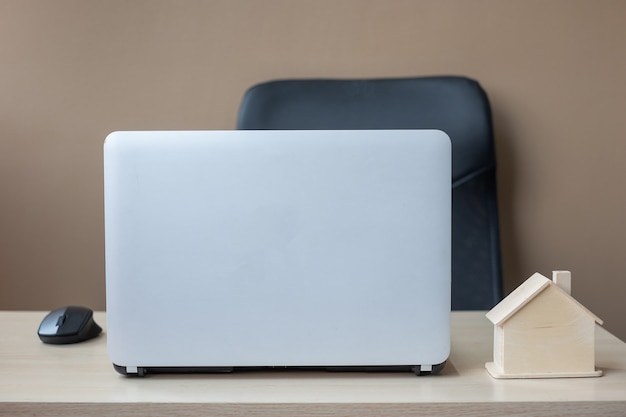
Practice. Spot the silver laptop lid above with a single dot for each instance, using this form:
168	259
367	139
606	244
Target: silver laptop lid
277	248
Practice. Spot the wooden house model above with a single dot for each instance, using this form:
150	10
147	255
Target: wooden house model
541	331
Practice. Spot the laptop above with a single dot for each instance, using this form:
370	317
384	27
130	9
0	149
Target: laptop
236	250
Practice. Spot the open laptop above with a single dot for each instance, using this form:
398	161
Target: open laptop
230	250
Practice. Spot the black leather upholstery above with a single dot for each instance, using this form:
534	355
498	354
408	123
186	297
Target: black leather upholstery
456	105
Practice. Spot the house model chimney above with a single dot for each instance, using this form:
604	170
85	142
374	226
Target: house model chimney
563	279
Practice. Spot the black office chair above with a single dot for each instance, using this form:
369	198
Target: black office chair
456	105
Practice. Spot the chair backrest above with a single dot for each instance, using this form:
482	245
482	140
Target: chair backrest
456	105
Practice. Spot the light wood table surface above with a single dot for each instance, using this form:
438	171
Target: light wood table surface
39	379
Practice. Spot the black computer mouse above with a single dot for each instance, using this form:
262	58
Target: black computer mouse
68	325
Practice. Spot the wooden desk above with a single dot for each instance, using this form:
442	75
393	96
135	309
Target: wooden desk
38	379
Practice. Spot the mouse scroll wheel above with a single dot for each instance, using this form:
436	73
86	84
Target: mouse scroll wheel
61	320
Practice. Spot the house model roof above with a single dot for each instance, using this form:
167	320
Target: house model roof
525	293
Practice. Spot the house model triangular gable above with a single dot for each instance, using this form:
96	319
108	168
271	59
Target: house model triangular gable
526	292
541	331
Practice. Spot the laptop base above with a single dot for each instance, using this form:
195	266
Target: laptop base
419	370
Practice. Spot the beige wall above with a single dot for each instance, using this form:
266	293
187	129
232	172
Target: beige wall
72	71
